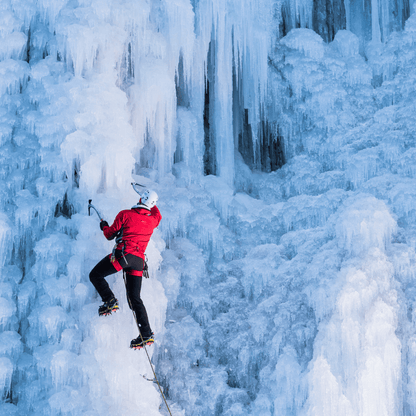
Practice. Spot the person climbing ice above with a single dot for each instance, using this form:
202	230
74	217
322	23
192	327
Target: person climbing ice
132	230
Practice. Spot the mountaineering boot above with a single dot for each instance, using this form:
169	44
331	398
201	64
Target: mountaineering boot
107	307
138	343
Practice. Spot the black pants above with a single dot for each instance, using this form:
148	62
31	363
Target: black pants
133	285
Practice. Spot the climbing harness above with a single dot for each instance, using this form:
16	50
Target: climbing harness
119	239
144	346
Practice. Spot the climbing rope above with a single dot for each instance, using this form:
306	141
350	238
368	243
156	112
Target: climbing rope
144	346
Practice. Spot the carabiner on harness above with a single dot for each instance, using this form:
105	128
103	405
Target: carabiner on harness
145	268
145	271
118	241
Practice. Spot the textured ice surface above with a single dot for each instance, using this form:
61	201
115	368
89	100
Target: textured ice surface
283	293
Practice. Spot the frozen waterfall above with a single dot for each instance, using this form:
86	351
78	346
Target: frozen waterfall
280	137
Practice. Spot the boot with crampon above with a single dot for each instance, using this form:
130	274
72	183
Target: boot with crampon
140	341
108	307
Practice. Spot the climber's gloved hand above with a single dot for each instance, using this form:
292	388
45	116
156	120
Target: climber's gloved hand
103	224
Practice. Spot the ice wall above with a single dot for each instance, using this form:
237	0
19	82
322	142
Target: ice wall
66	136
273	293
302	283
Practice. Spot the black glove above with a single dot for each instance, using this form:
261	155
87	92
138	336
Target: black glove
103	224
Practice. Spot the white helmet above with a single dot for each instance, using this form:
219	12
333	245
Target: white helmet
149	198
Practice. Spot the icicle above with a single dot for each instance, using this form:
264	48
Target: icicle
223	108
6	371
50	10
13	76
13	46
9	23
63	368
48	324
375	24
189	144
11	344
348	14
5	239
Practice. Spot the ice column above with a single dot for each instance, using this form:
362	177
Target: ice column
159	44
237	36
223	92
375	24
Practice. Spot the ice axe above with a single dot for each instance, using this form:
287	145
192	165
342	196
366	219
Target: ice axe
95	209
136	186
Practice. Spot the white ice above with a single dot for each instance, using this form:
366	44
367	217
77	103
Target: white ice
271	293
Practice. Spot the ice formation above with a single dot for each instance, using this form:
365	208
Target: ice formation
280	138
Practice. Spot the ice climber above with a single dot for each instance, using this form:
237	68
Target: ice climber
132	229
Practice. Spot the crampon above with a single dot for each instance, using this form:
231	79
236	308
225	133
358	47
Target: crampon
139	342
107	308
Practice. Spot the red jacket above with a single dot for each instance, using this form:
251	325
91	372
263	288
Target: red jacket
138	225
